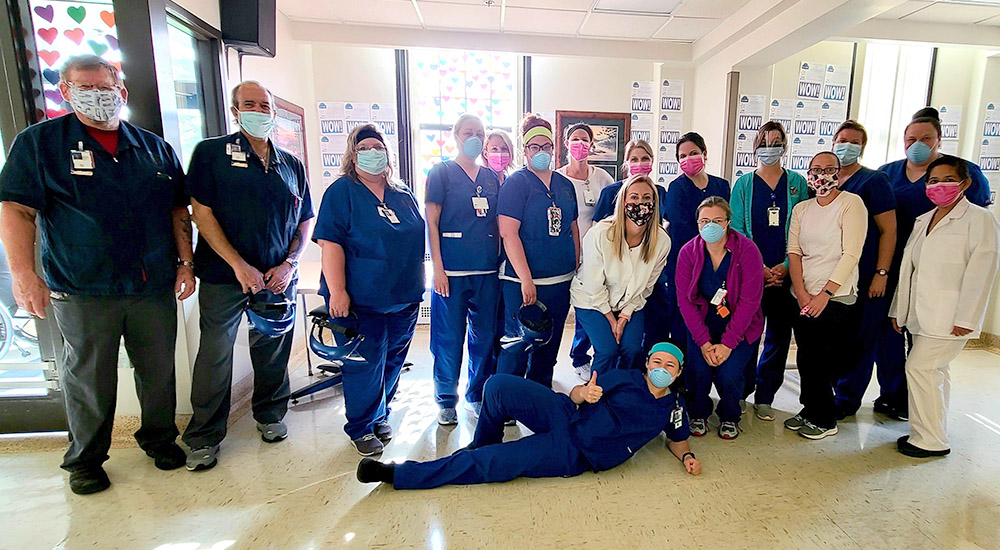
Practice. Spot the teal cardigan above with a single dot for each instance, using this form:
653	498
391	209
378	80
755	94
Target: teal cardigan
742	199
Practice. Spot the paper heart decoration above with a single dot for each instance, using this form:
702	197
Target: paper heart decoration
440	142
469	83
54	96
475	77
449	148
484	85
52	77
53	113
490	78
97	47
48	57
420	64
432	67
446	98
77	13
441	114
112	41
443	72
45	12
430	137
48	35
454	80
76	35
506	63
108	18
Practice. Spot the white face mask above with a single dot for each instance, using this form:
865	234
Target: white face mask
99	105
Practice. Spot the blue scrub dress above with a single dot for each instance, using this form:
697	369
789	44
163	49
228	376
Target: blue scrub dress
470	252
911	202
566	440
551	258
384	267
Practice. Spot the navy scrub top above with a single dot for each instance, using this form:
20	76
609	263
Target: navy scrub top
683	198
469	241
626	418
108	230
259	211
874	189
525	198
609	196
770	240
384	261
710	281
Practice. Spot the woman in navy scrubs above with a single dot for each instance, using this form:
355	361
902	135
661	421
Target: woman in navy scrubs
873	269
465	249
908	178
596	427
684	194
372	237
762	207
541	244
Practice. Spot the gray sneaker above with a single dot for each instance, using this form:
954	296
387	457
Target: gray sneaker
273	432
202	458
764	412
795	423
448	416
743	406
812	431
699	427
475	407
729	430
368	445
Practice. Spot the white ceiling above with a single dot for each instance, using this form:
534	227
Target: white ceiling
966	12
645	20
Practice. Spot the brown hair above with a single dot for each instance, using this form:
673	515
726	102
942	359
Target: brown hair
349	168
770	126
532	120
853	125
715	201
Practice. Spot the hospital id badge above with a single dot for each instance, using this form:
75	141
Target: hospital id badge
773	216
83	160
720	295
388	214
238	156
555	220
588	196
677	418
481	205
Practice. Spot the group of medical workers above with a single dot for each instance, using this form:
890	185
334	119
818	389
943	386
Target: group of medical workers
674	289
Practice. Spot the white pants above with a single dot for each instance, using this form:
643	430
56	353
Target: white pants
929	383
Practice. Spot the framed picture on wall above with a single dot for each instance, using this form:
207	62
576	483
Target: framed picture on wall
290	129
611	133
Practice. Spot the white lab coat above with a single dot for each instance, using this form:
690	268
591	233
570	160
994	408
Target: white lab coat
958	263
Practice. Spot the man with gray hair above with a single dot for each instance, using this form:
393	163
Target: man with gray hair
251	203
116	247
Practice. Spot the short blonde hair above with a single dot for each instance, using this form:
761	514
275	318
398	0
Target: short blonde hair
350	169
462	120
505	138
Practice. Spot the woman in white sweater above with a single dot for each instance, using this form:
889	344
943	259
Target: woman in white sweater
945	279
623	256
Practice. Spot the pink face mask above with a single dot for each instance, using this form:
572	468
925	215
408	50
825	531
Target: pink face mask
644	168
692	165
944	193
579	150
498	161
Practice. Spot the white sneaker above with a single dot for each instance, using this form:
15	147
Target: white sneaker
583	371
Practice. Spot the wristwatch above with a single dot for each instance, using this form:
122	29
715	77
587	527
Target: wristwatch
292	262
684	456
828	293
187	263
882	272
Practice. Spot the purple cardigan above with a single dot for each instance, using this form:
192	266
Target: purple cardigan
744	281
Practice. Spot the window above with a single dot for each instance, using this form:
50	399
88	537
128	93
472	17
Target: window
184	68
449	83
895	85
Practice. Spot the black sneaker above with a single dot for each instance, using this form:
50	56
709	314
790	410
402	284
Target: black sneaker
167	456
383	431
882	407
888	409
89	480
904	446
368	445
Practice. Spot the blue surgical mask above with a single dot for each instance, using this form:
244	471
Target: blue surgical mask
258	125
712	232
770	155
472	147
98	105
541	160
918	153
372	161
660	377
848	153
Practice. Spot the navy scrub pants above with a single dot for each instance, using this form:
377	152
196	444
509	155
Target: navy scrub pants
548	452
221	308
823	351
727	377
779	308
370	385
469	312
609	354
579	351
536	364
659	316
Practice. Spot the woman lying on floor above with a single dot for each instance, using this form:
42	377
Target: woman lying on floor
595	427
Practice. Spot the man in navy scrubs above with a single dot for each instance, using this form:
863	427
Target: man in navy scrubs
251	203
116	246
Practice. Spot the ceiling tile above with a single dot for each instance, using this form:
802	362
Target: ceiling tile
905	9
460	16
377	12
317	10
604	25
953	13
542	21
645	6
574	5
709	8
687	28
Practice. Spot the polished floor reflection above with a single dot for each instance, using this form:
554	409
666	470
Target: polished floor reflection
768	489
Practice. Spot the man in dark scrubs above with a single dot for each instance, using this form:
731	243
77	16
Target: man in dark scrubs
251	203
116	247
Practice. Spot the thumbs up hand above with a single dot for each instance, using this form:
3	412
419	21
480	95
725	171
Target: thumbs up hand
593	391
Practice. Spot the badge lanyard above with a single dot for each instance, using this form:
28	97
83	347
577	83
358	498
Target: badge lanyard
677	417
773	213
554	214
479	203
82	161
588	194
387	213
720	302
237	157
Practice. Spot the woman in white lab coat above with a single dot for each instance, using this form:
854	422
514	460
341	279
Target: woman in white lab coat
947	273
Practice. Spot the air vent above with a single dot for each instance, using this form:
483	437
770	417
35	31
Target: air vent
659	8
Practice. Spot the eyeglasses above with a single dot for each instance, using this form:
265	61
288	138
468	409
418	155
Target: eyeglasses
823	171
91	87
533	148
717	221
378	147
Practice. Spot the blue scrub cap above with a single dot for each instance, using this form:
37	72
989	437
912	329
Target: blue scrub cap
669	348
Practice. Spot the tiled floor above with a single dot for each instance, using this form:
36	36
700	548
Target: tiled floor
768	489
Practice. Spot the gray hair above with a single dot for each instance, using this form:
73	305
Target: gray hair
88	62
236	90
